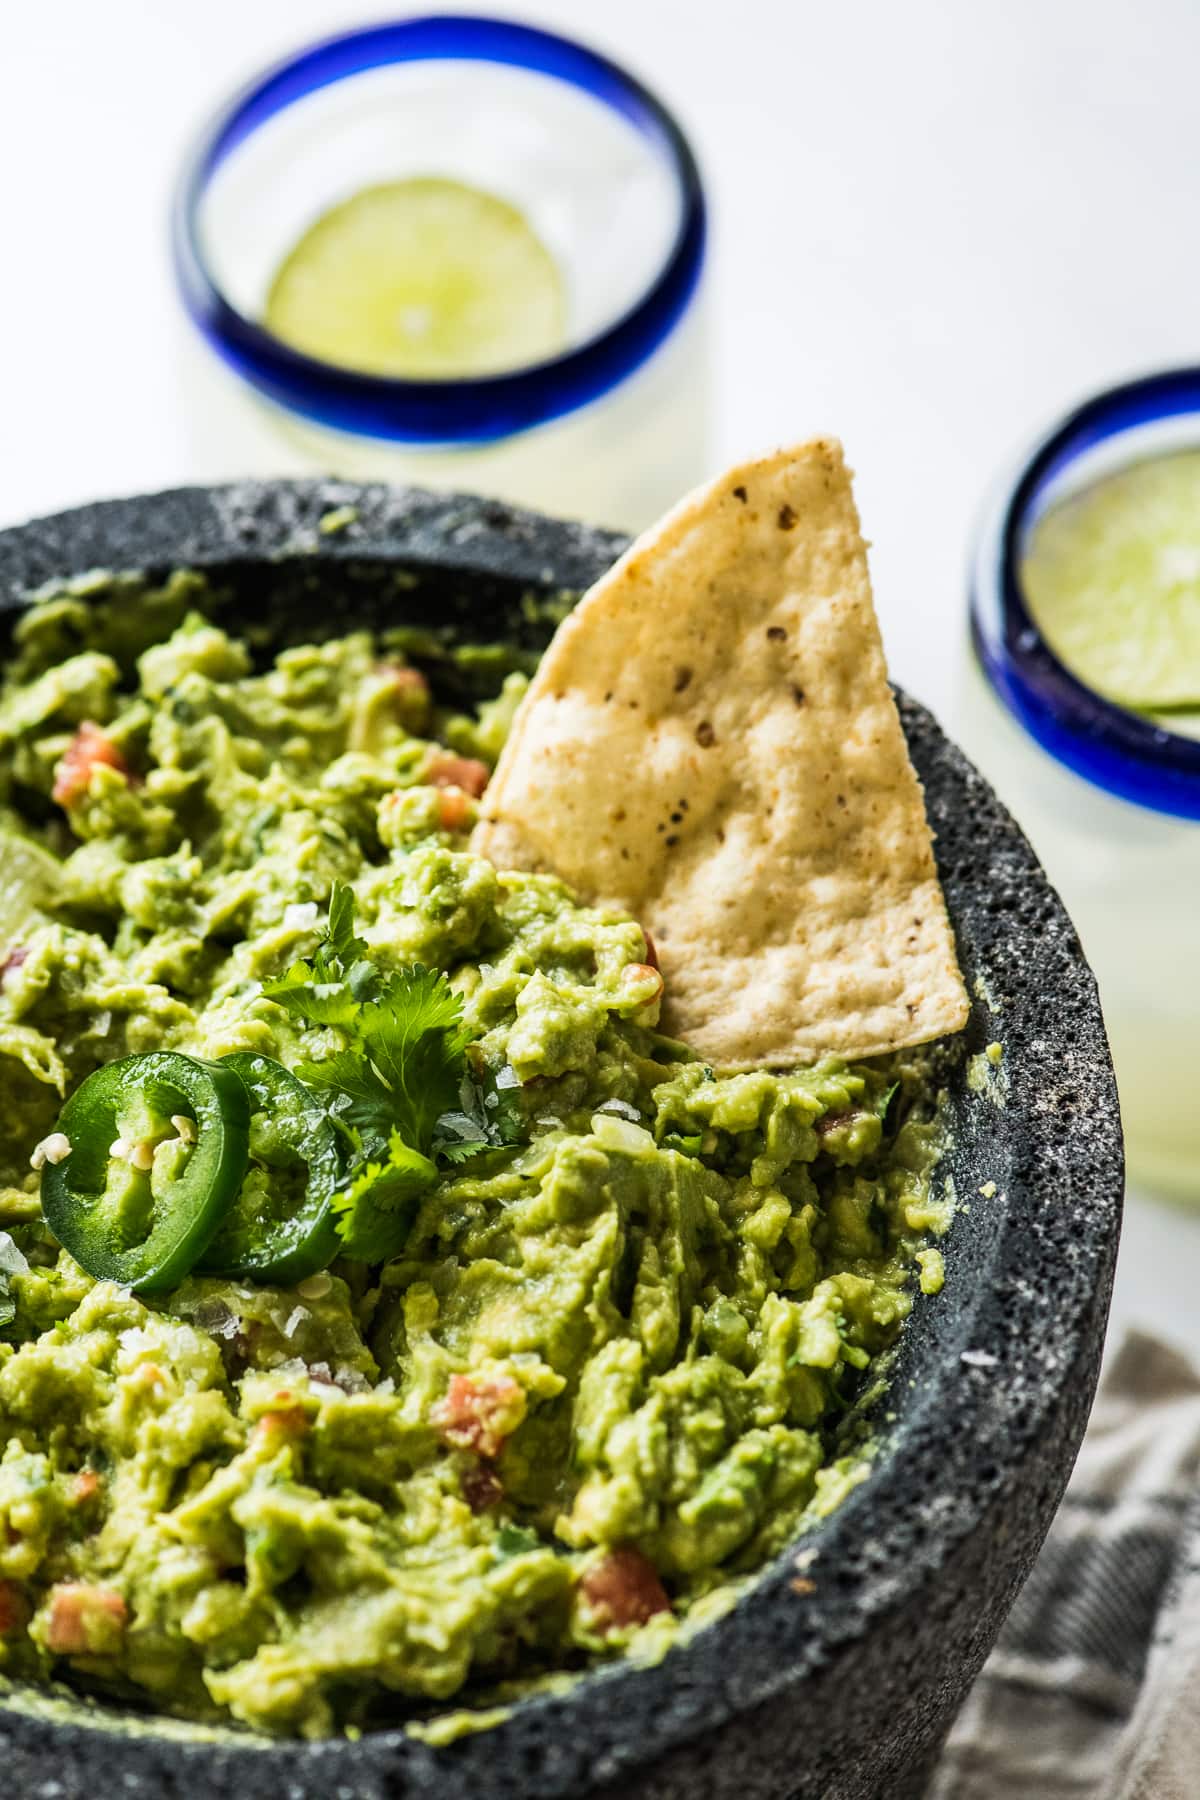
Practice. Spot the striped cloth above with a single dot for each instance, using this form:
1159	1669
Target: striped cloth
1093	1691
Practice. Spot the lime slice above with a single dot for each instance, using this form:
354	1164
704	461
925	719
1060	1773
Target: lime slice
1112	577
1182	723
422	278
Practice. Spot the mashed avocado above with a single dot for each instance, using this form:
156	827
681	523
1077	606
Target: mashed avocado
608	1372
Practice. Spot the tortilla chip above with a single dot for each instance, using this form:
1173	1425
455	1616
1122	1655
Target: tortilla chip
711	744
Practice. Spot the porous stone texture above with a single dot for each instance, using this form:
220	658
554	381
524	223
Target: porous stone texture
838	1673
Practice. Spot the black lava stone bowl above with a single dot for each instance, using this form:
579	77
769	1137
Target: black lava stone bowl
837	1674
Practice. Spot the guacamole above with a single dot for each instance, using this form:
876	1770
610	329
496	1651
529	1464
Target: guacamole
600	1365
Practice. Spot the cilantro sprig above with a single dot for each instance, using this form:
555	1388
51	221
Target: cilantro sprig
330	988
396	1091
376	1208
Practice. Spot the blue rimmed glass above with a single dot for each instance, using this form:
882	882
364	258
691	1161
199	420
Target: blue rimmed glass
478	411
1110	800
1120	751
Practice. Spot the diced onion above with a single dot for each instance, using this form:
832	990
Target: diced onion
619	1134
214	1317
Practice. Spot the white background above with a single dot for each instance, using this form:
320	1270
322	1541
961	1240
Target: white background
937	223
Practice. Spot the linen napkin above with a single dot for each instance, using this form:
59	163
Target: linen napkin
1094	1686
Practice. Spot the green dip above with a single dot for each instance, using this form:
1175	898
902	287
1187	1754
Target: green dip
610	1372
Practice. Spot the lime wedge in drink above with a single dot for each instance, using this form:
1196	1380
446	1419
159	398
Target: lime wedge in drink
1183	722
1112	577
423	278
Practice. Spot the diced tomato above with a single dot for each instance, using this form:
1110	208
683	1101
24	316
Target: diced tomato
148	1378
12	960
459	771
479	1413
14	1611
283	1426
651	949
85	1487
90	749
455	808
407	692
830	1122
403	680
644	975
623	1588
482	1487
84	1619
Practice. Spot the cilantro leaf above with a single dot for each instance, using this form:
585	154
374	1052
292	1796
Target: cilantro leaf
459	1128
688	1144
489	1117
884	1100
455	1154
415	1039
340	939
515	1540
329	988
455	1145
354	1095
495	1112
405	1065
393	1088
316	1002
376	1210
506	1121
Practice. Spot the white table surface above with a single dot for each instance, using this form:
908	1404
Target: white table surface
936	225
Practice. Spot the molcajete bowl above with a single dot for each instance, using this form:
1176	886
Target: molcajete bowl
835	1676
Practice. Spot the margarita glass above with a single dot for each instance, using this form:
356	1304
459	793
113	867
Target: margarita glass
610	426
1110	797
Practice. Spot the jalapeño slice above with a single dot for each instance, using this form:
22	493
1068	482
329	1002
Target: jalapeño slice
158	1150
280	1227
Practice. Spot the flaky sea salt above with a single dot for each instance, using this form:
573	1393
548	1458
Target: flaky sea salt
622	1109
12	1262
